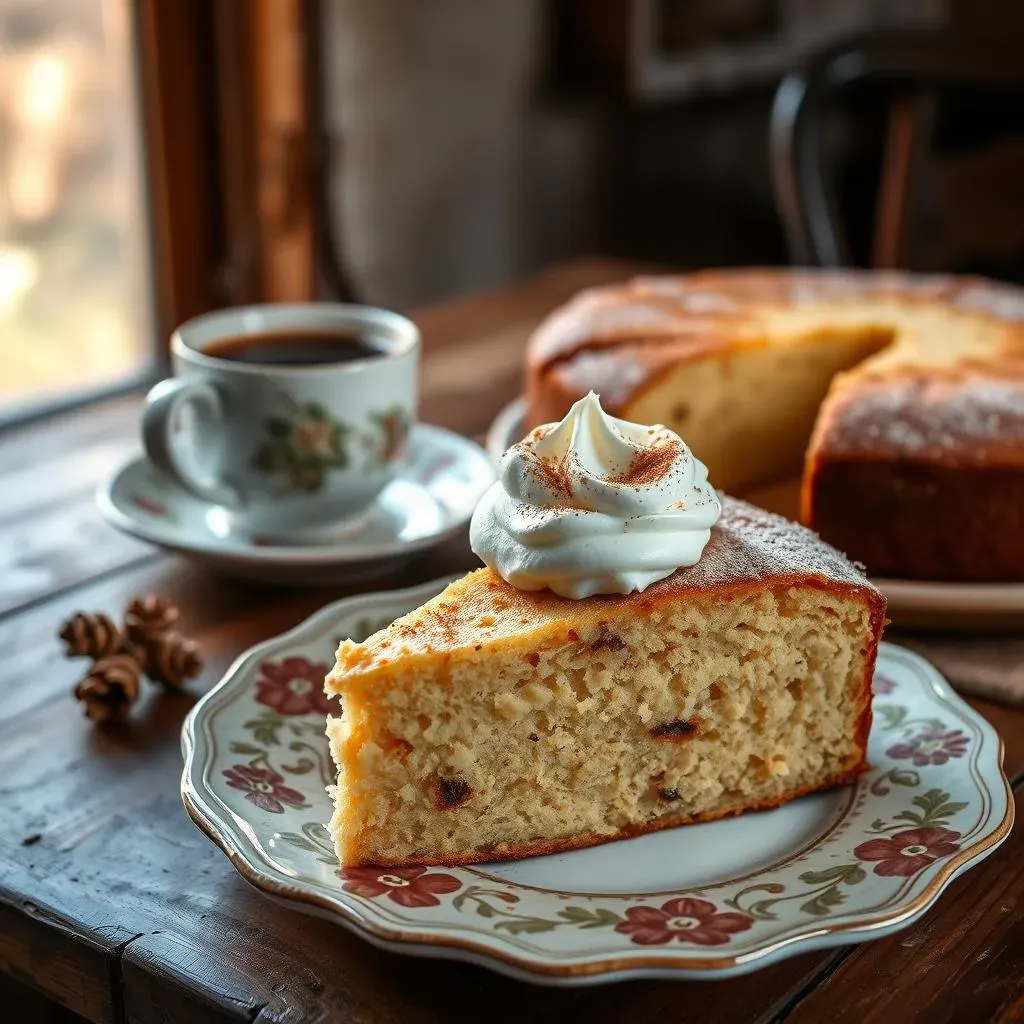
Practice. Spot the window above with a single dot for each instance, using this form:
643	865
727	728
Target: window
75	274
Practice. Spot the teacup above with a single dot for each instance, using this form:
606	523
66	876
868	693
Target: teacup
290	440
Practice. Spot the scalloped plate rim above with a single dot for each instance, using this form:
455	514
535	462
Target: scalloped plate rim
614	965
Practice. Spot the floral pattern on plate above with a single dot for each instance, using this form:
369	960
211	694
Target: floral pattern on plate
830	869
388	441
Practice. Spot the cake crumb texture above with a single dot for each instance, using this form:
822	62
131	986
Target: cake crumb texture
492	724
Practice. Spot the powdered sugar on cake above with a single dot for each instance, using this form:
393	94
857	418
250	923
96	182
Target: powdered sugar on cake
620	339
968	418
751	545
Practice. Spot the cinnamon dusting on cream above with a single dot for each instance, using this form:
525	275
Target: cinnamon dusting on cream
557	477
650	464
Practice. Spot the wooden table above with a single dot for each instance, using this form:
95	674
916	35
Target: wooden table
113	904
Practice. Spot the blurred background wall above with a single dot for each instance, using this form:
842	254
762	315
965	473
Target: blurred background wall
163	157
473	142
429	107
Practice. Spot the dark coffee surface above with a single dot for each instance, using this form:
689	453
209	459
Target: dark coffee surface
296	348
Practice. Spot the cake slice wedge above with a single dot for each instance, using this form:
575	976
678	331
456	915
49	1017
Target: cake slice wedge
493	723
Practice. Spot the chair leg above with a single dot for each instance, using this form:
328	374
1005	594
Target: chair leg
803	196
786	110
901	143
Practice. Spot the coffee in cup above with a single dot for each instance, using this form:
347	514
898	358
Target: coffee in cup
293	417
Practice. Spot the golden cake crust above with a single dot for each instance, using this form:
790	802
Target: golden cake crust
621	337
749	549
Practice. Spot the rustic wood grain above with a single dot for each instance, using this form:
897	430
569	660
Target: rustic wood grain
113	853
51	535
48	953
118	907
473	347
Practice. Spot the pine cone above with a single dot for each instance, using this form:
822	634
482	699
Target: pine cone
146	618
171	659
91	634
110	688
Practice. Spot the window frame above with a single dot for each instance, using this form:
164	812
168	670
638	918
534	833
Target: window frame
225	108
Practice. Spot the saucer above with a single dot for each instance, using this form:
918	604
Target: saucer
829	869
430	500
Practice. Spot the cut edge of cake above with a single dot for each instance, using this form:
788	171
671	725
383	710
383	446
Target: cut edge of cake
394	713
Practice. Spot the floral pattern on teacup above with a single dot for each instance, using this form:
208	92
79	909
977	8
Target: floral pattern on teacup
303	447
388	441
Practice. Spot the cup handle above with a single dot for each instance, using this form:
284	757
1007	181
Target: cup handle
158	418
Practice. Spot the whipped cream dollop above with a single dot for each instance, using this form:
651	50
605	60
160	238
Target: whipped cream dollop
595	505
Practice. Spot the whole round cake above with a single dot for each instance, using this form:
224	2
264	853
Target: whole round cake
900	395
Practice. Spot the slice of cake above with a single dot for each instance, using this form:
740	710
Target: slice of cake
496	723
636	656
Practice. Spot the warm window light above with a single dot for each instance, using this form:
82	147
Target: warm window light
33	181
19	271
74	249
43	95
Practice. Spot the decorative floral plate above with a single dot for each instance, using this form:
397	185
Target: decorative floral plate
699	901
927	603
430	500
